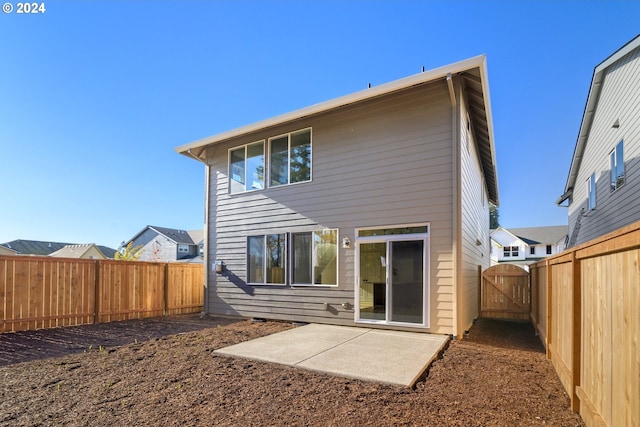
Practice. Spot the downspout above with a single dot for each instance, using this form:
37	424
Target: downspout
207	171
205	299
457	203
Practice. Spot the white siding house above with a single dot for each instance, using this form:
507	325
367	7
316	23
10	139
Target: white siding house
371	209
603	186
524	246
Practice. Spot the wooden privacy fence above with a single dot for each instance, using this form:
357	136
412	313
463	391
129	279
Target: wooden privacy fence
45	292
505	293
586	307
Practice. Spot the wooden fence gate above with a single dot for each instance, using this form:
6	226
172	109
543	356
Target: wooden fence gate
505	293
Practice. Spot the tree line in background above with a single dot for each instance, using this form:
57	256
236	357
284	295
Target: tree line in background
493	216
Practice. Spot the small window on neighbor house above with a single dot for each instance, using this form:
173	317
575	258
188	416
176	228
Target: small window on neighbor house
266	259
532	250
548	249
591	189
290	158
616	161
183	248
246	168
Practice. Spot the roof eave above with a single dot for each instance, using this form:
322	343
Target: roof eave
493	192
196	149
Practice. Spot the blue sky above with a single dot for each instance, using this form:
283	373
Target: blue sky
95	95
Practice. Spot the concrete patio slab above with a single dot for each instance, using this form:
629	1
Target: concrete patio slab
391	357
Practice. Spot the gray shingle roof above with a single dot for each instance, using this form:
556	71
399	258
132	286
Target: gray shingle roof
107	251
34	247
541	235
37	247
178	236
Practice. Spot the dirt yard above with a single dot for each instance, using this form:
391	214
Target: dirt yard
134	373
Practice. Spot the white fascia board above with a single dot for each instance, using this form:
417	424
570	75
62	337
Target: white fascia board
383	89
506	231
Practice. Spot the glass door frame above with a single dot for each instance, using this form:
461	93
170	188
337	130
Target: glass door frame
387	239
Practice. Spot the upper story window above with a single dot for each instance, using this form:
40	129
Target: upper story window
246	167
532	250
548	249
288	162
510	251
290	158
183	248
616	161
591	190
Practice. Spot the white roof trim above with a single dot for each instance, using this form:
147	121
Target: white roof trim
500	228
437	73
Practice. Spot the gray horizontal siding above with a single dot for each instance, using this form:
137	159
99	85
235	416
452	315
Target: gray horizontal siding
618	101
381	163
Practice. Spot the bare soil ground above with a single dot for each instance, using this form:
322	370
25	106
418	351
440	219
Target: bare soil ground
163	372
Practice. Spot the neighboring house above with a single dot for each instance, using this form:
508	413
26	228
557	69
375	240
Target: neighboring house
40	248
163	244
526	246
7	251
603	187
86	251
369	209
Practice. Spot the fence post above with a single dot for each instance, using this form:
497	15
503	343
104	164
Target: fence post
166	288
576	333
96	296
549	308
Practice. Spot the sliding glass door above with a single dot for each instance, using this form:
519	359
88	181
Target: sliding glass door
407	281
392	279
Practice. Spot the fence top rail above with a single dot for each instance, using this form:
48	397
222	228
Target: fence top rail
44	258
623	239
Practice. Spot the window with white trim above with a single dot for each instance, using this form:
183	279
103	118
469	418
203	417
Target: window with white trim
616	161
183	248
246	168
591	190
290	158
314	258
266	259
510	251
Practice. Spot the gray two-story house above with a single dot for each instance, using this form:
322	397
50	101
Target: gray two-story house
163	244
603	186
371	209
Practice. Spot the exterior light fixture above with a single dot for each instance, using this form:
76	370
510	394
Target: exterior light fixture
219	267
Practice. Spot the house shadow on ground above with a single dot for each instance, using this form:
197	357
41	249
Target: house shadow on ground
505	334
